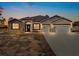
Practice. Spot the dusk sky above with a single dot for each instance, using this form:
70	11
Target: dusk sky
69	10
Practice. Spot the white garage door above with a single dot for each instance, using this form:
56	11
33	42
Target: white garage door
62	28
46	28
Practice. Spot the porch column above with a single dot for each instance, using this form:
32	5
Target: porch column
52	28
71	27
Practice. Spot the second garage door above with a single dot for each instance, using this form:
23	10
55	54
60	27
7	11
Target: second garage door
62	28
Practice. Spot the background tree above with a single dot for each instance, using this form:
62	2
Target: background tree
76	24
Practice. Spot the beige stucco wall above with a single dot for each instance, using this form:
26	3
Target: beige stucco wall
21	25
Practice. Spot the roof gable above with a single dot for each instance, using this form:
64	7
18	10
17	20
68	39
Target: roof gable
57	18
14	20
61	21
38	18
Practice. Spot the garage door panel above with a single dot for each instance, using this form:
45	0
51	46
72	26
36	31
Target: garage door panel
62	28
46	28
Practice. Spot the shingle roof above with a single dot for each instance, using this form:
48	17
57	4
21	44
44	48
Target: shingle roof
59	17
14	20
38	18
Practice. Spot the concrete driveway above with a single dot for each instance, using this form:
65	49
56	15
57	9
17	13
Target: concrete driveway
63	44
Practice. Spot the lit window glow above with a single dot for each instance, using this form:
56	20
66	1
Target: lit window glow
36	26
15	26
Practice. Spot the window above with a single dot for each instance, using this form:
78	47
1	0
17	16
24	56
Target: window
37	26
15	26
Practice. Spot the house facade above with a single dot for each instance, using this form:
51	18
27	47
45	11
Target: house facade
40	24
15	25
24	25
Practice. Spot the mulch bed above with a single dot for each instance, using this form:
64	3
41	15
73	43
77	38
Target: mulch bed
33	44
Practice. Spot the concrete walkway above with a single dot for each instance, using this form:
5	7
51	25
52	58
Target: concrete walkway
63	44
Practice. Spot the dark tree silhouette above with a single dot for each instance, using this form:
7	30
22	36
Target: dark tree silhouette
76	23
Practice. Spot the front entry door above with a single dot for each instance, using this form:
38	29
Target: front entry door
28	27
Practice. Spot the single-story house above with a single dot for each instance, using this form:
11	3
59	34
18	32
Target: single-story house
40	23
